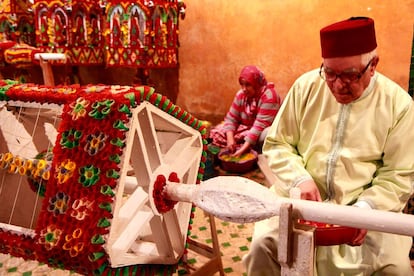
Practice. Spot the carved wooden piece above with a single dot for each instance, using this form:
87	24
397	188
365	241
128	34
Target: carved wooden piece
145	236
44	61
285	234
157	143
296	246
242	200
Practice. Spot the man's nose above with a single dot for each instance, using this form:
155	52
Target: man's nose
338	83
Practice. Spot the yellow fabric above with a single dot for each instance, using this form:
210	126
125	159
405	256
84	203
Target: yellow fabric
359	152
381	254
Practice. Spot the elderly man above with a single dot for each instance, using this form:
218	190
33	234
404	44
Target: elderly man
343	135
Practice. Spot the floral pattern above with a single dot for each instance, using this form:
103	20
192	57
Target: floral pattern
58	204
65	171
89	175
83	174
81	208
70	138
79	108
50	236
95	142
73	243
101	109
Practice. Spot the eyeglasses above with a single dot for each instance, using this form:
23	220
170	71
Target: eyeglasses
345	77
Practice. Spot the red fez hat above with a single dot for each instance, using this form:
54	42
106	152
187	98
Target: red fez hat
350	37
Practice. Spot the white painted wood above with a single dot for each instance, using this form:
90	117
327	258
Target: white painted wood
284	248
141	258
50	56
44	106
179	146
148	142
175	233
141	165
131	183
162	242
191	157
238	199
145	248
19	141
303	253
296	245
167	139
51	133
18	230
130	234
181	192
157	144
134	203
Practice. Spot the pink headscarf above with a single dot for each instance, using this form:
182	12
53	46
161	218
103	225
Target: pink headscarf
253	75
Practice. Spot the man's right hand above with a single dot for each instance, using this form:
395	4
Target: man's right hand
309	191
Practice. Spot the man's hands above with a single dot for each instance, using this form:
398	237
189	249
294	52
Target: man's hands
309	191
359	238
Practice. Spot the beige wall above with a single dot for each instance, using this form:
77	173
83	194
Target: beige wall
282	37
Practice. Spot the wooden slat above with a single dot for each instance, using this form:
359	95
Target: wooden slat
17	229
176	237
178	148
163	241
134	203
48	77
284	250
130	233
137	237
141	258
147	136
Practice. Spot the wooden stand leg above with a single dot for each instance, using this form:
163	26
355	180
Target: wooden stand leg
213	253
296	248
48	78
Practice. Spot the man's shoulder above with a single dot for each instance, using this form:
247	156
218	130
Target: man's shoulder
390	86
310	75
307	82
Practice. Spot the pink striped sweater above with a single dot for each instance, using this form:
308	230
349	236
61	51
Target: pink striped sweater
257	113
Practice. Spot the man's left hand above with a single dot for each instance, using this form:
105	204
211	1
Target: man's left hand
359	238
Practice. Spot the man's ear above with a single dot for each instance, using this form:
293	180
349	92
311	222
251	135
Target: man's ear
373	65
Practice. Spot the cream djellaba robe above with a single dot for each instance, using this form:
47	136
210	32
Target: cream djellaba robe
360	154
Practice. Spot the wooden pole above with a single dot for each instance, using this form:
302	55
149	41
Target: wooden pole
48	78
46	67
238	199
